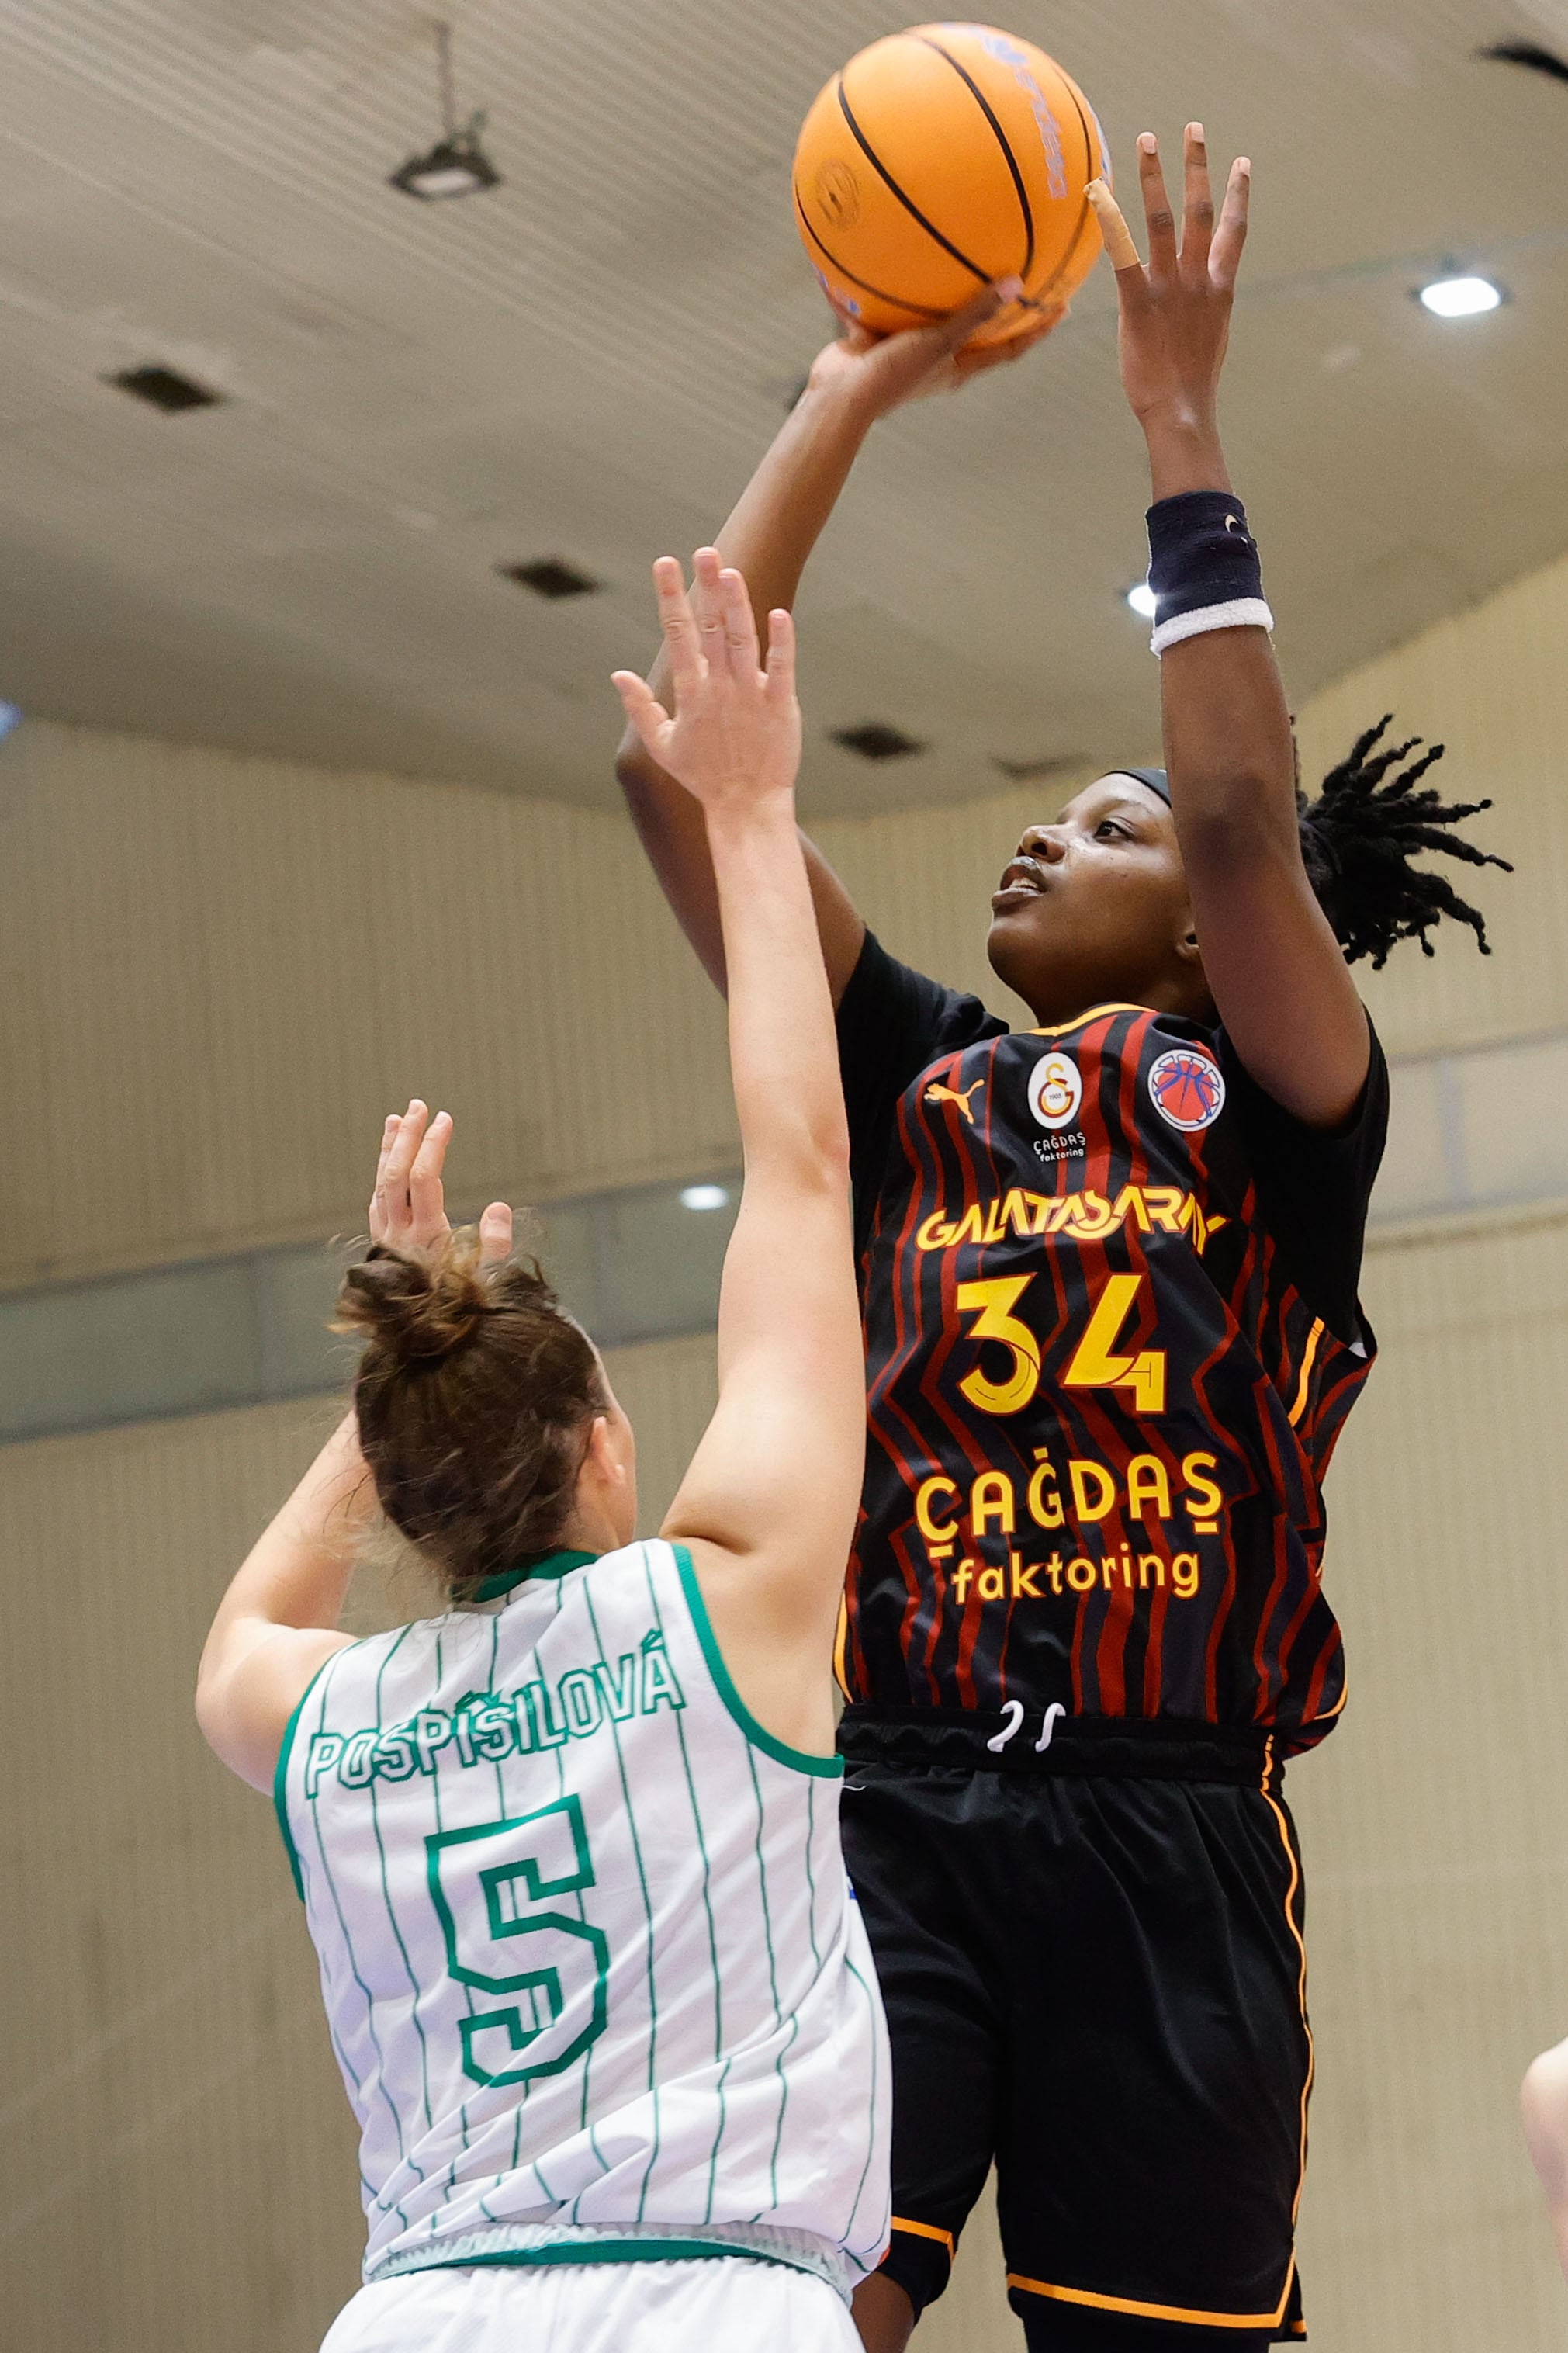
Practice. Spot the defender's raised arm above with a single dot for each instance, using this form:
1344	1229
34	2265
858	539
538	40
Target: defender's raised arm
769	1502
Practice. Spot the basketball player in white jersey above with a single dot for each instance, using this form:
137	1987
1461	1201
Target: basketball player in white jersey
569	1847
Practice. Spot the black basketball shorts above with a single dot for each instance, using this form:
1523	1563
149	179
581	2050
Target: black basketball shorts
1092	1965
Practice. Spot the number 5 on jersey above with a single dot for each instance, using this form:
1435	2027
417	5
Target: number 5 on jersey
488	1885
1098	1362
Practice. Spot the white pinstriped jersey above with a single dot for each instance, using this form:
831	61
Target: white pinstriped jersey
595	1976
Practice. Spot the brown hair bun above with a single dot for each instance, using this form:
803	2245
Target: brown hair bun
474	1397
417	1308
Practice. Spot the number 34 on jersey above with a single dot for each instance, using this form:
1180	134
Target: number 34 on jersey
1106	1355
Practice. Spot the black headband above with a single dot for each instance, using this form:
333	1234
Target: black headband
1155	778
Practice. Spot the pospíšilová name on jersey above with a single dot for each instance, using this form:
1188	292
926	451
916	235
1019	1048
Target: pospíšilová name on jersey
594	1978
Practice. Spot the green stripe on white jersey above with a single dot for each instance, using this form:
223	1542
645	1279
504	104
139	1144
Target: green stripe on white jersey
590	1959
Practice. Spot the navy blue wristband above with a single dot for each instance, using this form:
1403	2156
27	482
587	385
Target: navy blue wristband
1204	568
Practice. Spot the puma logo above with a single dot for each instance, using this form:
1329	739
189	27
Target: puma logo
951	1095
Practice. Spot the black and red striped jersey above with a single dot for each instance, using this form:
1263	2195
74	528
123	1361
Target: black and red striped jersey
1112	1333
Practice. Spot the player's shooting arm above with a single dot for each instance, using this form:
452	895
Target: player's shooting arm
1278	974
768	538
277	1624
769	1502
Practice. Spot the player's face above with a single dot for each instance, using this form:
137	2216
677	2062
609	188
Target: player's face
1093	910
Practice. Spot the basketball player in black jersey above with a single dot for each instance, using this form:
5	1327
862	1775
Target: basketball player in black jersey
1109	1269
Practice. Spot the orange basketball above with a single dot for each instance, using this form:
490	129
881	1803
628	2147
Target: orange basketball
938	160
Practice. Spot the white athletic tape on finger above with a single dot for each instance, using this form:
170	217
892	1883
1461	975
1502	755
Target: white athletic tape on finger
1119	245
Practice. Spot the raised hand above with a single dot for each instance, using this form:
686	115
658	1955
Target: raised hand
882	372
1175	314
736	735
408	1208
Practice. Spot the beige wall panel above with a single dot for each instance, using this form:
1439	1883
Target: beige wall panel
220	971
179	2160
1435	1820
223	971
1492	684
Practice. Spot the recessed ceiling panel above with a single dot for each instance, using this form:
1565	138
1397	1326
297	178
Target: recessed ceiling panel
584	363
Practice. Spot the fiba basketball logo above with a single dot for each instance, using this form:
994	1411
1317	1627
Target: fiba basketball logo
1186	1089
1055	1090
838	195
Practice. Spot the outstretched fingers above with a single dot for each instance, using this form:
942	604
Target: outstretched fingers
643	707
495	1234
781	656
379	1192
1157	212
1230	236
678	624
1120	251
401	1139
708	606
426	1200
740	627
388	1138
1197	205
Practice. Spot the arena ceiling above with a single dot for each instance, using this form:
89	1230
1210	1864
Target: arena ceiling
582	364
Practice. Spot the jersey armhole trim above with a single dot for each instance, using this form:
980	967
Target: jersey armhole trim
799	1760
280	1774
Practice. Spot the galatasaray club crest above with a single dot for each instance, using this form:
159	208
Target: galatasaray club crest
1185	1088
1055	1090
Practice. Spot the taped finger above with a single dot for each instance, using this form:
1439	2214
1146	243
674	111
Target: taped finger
1120	251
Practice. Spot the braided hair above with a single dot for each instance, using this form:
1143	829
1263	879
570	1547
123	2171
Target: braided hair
1359	836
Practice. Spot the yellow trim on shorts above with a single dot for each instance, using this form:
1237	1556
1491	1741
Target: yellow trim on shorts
1159	2311
1130	2304
926	2231
1278	1812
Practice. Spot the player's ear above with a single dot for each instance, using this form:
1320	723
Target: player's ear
1190	965
599	1456
610	1455
1187	939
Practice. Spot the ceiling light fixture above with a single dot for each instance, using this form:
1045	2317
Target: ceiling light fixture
1033	772
1141	597
550	576
1459	297
164	388
874	740
457	165
1528	54
704	1196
